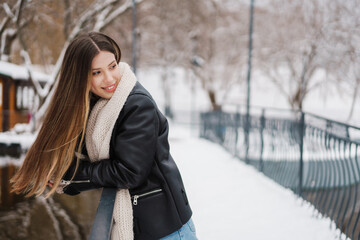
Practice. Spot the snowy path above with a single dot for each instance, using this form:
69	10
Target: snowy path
233	201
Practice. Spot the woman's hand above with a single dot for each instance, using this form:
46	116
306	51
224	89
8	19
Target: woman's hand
60	188
50	183
81	181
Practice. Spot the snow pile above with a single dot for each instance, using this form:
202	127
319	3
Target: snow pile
19	72
20	134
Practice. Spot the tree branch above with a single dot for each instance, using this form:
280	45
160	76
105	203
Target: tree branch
8	12
38	89
19	12
116	13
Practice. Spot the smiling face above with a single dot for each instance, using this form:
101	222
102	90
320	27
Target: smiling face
105	74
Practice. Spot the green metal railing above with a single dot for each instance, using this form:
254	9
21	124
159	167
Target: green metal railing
101	228
315	157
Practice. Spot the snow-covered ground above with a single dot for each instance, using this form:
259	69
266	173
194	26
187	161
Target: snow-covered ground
232	201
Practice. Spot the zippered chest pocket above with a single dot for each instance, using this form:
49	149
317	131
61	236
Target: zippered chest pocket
136	197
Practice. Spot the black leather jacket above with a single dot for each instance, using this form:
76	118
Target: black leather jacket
140	161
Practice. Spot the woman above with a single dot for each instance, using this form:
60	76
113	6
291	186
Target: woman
103	129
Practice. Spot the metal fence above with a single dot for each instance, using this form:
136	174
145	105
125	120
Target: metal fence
315	157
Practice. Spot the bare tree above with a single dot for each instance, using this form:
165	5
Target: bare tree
216	41
12	23
204	37
343	46
289	51
222	41
164	29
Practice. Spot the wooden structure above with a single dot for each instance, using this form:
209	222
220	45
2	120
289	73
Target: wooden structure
17	95
17	102
7	199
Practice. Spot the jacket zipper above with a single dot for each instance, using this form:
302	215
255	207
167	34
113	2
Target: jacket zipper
68	182
136	197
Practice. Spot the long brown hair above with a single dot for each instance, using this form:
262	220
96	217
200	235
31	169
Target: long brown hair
62	132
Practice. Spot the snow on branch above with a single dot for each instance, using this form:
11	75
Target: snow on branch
128	4
93	10
8	32
17	7
42	92
4	23
9	12
101	17
18	11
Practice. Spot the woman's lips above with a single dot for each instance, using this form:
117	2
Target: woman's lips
110	88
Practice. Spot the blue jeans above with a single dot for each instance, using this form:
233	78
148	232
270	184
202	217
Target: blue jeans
186	232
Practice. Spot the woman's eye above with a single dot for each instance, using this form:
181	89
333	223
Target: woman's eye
113	66
96	73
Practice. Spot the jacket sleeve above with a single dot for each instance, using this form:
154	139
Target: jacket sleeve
133	147
81	182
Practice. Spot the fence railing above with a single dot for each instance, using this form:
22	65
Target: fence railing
315	157
101	228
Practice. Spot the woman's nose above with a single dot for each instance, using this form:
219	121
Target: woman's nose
108	77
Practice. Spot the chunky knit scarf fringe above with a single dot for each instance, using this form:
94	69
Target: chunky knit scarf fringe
98	134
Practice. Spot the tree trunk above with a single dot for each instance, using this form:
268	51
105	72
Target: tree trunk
355	94
6	51
167	92
212	96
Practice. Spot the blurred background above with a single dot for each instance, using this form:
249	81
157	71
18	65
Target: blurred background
193	56
302	51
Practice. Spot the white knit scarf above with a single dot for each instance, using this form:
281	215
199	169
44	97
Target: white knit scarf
98	134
